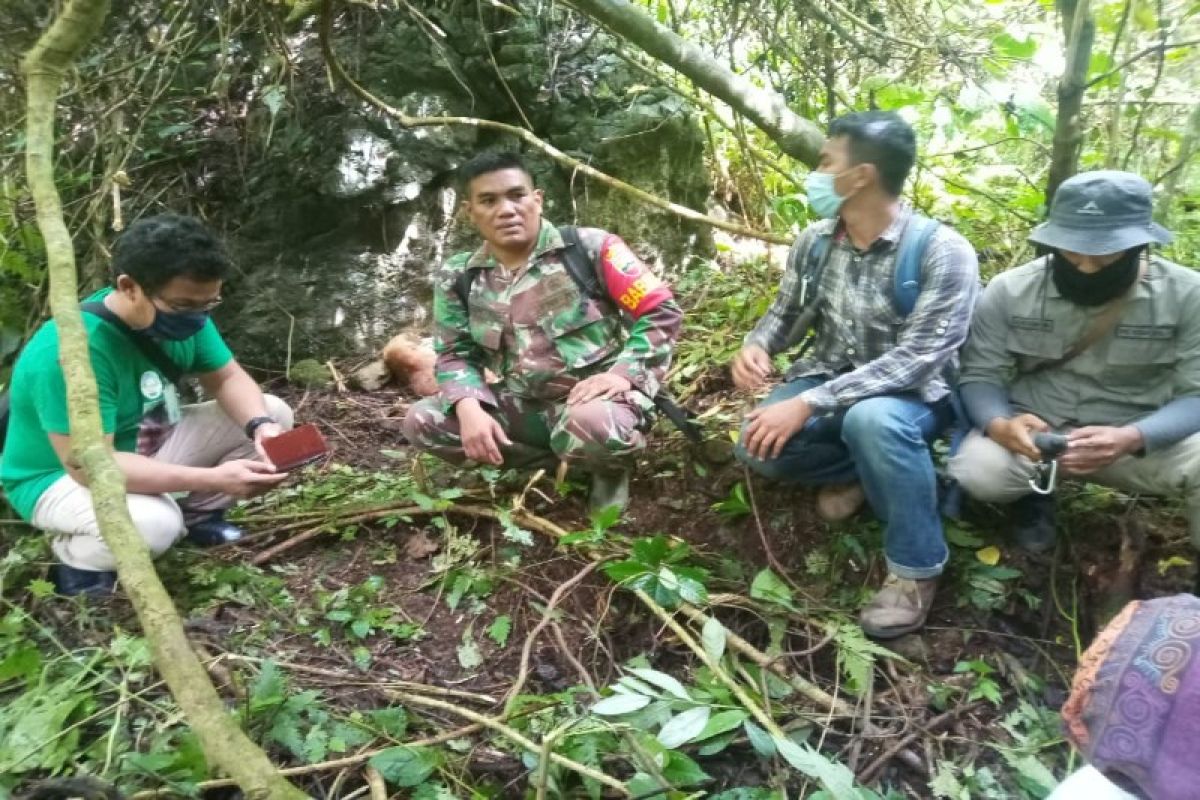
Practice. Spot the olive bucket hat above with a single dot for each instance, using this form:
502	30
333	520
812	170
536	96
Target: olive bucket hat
1102	212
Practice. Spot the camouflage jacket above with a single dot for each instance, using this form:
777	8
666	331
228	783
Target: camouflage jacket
540	334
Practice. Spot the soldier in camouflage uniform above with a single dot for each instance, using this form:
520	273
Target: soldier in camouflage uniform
576	375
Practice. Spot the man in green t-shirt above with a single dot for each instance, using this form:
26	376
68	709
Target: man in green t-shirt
167	275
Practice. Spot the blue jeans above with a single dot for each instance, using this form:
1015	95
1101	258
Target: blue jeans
883	442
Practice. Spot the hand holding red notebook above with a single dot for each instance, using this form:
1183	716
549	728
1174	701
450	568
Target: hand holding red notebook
297	447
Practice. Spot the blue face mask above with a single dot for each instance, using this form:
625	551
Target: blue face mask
822	197
176	325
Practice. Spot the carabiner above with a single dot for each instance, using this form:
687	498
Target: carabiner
1045	478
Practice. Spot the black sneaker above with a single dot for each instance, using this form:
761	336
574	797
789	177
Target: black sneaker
1034	528
213	530
71	581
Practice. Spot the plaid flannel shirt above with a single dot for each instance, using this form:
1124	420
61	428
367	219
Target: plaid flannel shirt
859	337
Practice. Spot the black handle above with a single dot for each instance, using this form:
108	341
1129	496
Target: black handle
1050	445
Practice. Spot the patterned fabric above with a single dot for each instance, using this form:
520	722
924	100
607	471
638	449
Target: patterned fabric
1134	709
860	337
153	431
598	434
537	331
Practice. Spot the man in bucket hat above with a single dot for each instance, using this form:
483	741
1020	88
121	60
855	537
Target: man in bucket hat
1099	340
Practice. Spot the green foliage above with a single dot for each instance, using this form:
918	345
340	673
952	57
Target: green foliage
303	726
736	505
356	612
406	766
768	586
985	686
656	567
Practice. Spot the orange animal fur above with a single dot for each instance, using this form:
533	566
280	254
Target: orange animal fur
411	363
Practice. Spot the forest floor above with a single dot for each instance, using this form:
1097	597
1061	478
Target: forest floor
383	599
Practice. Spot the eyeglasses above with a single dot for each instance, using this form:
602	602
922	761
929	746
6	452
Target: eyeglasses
189	308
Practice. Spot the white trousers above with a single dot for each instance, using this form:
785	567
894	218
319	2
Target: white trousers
204	437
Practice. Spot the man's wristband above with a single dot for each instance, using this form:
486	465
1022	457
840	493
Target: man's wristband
255	423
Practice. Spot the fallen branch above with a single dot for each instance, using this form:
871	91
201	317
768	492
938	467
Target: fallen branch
378	789
518	685
869	772
504	730
825	701
423	688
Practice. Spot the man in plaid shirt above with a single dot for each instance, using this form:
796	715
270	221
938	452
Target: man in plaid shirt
856	412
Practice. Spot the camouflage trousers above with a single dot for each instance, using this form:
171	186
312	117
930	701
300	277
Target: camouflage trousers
598	434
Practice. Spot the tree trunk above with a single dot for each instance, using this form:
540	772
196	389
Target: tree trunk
224	743
1080	27
795	135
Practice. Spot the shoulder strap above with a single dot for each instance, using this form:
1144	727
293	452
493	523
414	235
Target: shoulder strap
462	284
579	265
153	353
1102	325
911	252
812	268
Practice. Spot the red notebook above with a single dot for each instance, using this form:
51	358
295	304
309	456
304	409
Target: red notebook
297	447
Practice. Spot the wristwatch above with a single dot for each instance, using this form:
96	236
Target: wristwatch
255	423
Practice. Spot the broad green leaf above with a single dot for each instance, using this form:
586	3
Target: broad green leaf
684	727
622	571
406	766
499	630
760	740
837	779
663	681
723	721
642	785
768	586
620	704
715	744
22	662
713	636
682	771
390	721
1007	46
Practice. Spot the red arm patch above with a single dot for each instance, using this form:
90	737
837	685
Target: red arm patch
631	285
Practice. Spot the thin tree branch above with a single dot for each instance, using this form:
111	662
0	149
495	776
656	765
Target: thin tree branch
1162	47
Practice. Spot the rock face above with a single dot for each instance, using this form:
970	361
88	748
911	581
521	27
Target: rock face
348	214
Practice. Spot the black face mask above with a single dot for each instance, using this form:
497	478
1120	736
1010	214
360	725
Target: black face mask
1099	287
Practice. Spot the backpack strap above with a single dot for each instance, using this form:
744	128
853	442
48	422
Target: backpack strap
462	284
907	277
579	265
153	353
814	265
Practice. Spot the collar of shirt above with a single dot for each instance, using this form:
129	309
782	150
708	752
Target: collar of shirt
891	234
549	240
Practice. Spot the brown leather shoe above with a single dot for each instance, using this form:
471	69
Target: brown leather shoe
841	501
900	607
